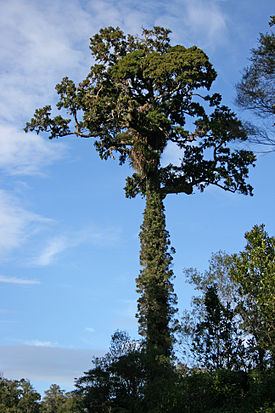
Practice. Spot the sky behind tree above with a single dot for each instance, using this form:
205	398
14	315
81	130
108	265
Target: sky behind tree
69	247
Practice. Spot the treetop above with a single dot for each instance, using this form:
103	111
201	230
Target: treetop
143	93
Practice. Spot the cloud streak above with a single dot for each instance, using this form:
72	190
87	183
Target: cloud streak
59	244
90	329
39	343
15	280
26	154
16	223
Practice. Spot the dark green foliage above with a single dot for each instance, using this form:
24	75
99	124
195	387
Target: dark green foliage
53	400
234	318
225	391
140	95
121	381
217	343
156	303
116	382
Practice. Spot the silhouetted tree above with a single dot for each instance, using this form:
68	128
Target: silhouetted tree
255	91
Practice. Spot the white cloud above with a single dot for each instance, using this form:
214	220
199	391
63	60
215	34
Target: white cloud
41	42
54	247
16	223
39	343
15	280
195	22
206	18
26	154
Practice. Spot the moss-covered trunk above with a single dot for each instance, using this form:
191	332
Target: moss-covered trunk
156	302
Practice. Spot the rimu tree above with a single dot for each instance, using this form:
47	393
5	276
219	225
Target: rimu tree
141	94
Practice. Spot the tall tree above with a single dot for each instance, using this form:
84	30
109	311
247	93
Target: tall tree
141	94
255	91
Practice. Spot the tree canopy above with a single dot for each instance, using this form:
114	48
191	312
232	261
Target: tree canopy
142	93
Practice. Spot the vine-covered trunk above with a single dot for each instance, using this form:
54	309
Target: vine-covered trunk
156	302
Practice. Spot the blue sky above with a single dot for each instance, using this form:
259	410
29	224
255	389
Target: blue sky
68	237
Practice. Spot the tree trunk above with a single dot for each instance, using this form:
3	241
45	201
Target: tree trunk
156	303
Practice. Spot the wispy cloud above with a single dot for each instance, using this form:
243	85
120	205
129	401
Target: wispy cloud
90	235
55	246
90	329
206	18
46	40
198	22
26	154
15	280
16	223
41	41
39	343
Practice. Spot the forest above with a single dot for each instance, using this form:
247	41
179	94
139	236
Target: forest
141	94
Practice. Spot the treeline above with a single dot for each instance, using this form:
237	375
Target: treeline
223	351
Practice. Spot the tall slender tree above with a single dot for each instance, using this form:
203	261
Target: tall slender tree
141	94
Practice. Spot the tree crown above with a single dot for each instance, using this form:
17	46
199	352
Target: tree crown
143	93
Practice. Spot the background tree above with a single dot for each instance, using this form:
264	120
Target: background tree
255	91
237	297
54	400
210	334
141	94
254	274
116	381
217	343
18	396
